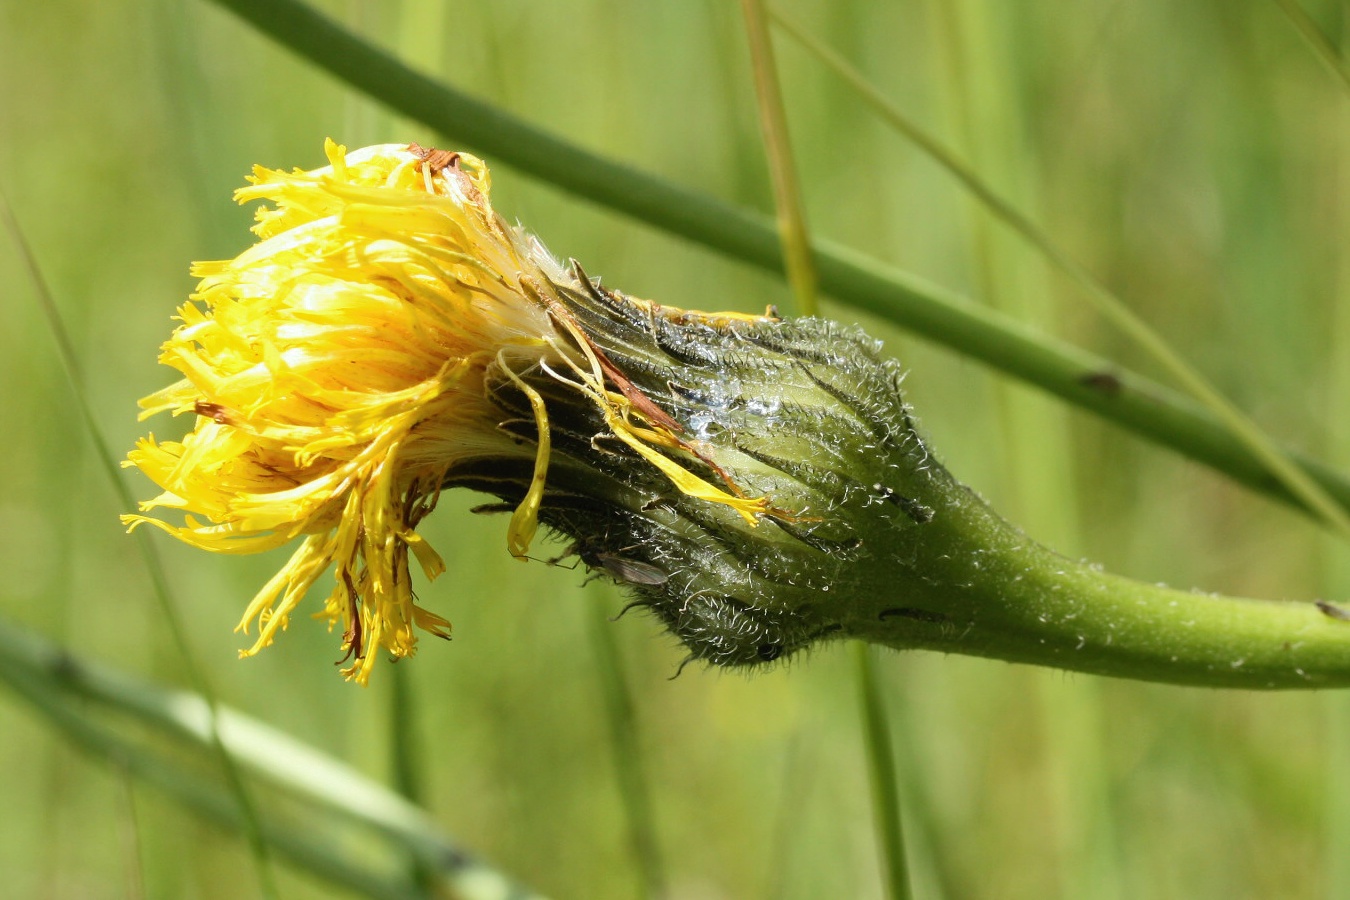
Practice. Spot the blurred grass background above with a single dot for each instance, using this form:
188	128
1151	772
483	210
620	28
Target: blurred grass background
1195	156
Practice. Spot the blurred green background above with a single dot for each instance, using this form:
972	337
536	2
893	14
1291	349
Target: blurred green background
1196	156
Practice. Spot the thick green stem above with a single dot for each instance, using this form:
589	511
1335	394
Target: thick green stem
980	587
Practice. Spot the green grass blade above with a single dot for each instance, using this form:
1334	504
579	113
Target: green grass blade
1311	494
339	792
319	856
801	274
1335	581
1336	830
1317	41
882	776
621	716
981	75
800	267
408	773
159	581
1070	373
130	837
369	124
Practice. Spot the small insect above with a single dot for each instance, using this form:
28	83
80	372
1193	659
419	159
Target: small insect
436	159
1332	611
1106	382
630	570
621	568
213	411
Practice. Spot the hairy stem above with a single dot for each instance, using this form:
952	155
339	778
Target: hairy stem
980	587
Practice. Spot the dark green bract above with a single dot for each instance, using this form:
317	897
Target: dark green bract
871	537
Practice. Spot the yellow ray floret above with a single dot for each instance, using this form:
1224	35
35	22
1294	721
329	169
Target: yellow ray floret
336	370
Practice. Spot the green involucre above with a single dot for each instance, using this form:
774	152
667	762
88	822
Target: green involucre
870	536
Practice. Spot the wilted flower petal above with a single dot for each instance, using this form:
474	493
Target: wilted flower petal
346	365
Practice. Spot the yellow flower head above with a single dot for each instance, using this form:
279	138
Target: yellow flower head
344	365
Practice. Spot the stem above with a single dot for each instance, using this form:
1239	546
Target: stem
130	835
1335	579
1317	41
801	275
78	696
407	768
406	761
976	585
881	769
1336	831
628	759
252	829
988	113
1239	425
868	535
296	841
1085	379
801	269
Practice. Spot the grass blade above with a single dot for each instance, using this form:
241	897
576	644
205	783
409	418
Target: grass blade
621	716
1039	448
801	275
161	771
159	581
1277	462
1336	567
64	687
881	769
1077	376
129	834
1317	41
800	267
